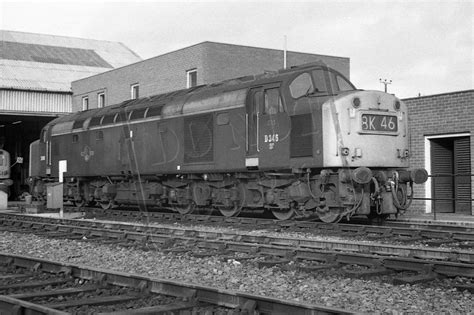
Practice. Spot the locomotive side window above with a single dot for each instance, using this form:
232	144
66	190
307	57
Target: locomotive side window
138	114
78	124
301	86
273	102
109	119
154	111
99	135
121	117
95	121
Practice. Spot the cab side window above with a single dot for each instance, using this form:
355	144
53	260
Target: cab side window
273	102
339	83
257	100
301	86
343	84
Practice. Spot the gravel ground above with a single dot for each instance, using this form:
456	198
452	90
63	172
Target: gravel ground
364	296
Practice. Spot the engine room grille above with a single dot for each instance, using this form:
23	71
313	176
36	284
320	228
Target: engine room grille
198	139
301	144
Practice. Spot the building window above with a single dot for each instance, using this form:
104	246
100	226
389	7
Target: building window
134	91
75	138
85	103
101	100
191	78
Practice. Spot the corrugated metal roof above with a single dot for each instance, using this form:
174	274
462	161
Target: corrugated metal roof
50	63
51	54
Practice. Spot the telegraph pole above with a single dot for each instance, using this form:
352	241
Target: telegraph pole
385	82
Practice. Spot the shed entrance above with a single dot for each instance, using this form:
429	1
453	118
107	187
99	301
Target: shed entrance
16	134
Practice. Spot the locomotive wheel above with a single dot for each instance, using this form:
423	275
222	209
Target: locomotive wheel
235	210
329	216
187	209
230	211
106	205
283	214
79	203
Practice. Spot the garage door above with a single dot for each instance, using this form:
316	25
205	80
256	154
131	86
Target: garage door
451	169
442	165
462	167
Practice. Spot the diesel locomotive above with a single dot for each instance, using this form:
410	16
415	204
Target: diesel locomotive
5	181
298	142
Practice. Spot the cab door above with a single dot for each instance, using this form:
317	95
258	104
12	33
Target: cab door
268	128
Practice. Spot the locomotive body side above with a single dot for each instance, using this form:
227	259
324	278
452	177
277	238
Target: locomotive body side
171	143
300	142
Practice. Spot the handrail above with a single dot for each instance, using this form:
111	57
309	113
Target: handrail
453	199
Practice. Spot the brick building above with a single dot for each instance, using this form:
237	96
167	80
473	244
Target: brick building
203	63
442	141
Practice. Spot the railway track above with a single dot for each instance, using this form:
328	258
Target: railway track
400	227
302	254
392	231
36	286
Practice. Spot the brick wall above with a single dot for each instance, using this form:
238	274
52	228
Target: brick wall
225	61
156	75
214	62
443	114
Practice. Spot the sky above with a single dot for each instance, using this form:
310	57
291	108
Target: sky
423	47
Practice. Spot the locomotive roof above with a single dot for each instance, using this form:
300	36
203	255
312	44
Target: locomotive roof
181	96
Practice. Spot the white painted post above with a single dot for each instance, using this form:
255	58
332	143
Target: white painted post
62	169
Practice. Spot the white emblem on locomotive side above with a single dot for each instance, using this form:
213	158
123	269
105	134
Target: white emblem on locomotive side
87	153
